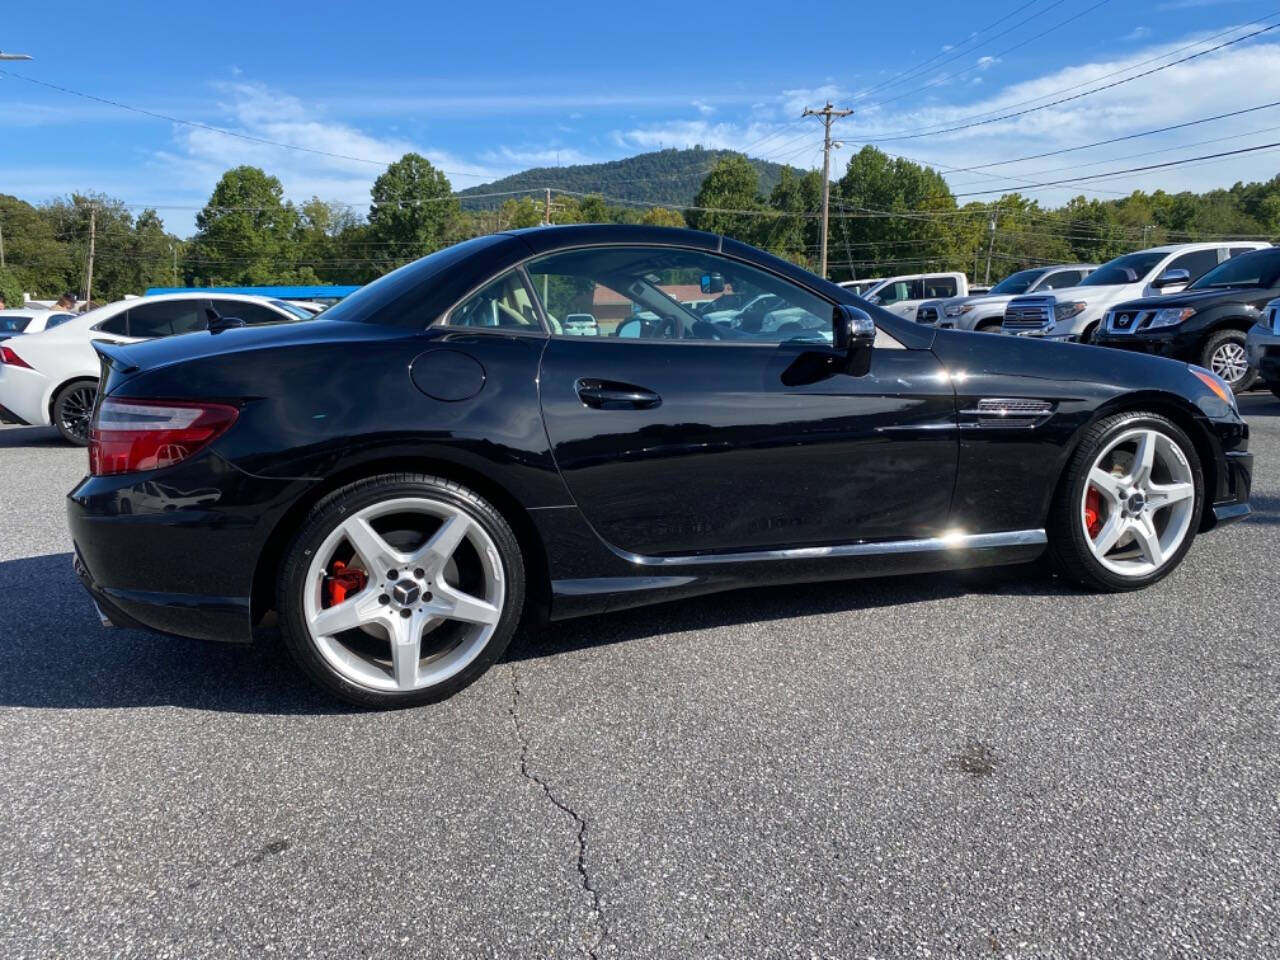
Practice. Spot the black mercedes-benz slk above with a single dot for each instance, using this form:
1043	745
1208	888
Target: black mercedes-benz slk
1208	323
396	483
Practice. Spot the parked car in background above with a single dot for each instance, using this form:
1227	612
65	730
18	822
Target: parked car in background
902	295
389	483
1208	323
985	312
860	287
16	321
1075	313
581	324
1263	346
52	377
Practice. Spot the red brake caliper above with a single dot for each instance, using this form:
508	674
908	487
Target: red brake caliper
342	581
1093	512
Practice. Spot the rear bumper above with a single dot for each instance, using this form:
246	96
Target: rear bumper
24	395
186	570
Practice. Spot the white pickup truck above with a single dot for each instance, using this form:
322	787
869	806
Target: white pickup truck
1074	313
901	295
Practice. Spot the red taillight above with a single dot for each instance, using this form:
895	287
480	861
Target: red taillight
8	356
132	435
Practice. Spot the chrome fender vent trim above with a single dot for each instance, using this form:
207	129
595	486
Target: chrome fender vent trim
1007	413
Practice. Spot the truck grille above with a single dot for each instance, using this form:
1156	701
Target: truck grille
1032	313
1127	321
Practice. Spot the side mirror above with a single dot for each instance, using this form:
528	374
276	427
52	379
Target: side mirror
853	334
219	324
1171	278
712	283
629	328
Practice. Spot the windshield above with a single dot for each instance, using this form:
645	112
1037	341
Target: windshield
1130	268
294	309
13	324
1258	269
1019	282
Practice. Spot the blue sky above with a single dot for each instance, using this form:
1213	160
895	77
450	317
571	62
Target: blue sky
489	89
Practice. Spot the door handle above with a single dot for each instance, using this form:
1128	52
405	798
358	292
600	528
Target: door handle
610	395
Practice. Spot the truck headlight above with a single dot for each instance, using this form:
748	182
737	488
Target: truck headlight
1170	317
1068	309
958	310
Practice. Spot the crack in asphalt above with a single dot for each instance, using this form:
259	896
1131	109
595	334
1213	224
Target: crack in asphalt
602	931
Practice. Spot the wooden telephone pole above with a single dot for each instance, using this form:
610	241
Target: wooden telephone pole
827	113
88	279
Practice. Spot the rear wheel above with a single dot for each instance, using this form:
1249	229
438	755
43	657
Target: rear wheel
73	409
1129	504
1225	354
400	590
989	326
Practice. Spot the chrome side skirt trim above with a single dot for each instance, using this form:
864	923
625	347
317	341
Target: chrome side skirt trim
882	548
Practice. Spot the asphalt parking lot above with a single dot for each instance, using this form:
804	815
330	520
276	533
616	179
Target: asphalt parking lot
974	765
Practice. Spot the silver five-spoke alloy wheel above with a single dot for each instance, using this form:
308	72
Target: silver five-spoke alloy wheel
1230	361
1138	502
432	594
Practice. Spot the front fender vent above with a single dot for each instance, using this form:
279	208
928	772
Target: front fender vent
1007	413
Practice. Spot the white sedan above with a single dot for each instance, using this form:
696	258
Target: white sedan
52	377
34	320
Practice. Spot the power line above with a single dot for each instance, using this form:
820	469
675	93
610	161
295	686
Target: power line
963	73
1150	166
1077	96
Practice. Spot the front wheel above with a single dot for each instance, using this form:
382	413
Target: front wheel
1226	355
400	590
1128	506
73	410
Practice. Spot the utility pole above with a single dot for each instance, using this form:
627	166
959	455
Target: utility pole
827	113
991	240
174	250
88	280
1	246
546	210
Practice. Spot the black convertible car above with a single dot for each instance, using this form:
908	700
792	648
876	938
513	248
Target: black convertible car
397	482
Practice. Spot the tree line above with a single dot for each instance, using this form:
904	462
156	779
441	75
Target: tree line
888	215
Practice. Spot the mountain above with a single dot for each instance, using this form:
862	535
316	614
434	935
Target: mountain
664	177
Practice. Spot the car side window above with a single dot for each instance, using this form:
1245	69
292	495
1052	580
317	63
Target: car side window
659	293
1197	263
896	292
166	318
117	325
504	304
1236	251
938	287
1062	278
59	320
250	313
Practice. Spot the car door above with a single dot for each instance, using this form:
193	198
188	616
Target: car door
679	435
150	320
1196	262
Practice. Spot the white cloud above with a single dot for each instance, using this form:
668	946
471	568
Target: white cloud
703	107
986	63
1138	33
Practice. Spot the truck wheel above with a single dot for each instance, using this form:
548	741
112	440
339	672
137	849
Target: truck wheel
1225	354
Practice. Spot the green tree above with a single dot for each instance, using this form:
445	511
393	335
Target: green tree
902	217
662	217
10	288
727	200
35	255
796	234
245	233
413	204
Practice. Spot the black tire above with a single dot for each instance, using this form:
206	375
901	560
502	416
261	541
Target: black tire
990	325
1215	343
72	410
1069	552
322	519
1090	333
